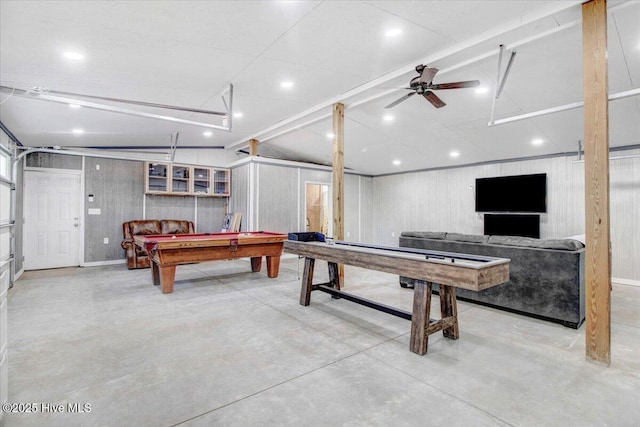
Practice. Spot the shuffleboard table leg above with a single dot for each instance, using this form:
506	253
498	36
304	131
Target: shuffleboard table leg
420	317
273	266
307	280
167	277
256	264
449	309
334	275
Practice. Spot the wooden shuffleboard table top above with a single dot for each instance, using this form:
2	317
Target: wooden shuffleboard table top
466	271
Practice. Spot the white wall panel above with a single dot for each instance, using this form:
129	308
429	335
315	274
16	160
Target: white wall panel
351	208
366	209
238	201
624	181
277	198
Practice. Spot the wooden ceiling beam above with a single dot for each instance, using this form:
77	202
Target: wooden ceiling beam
253	147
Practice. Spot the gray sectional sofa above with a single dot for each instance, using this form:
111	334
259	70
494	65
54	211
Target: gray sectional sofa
546	276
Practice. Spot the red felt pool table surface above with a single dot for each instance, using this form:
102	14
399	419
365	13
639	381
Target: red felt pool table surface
168	251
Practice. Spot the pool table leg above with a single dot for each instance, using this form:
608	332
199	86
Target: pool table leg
256	264
167	277
273	266
155	273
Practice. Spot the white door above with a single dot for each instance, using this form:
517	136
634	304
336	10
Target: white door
51	219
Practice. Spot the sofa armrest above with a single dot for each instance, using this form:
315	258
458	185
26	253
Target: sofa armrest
127	244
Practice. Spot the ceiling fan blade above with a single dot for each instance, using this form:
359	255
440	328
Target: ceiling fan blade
433	99
398	101
456	85
427	75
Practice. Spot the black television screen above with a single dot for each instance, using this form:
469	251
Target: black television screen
520	193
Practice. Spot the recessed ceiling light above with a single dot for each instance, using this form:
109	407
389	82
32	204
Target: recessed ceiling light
393	32
454	154
237	115
364	150
537	141
74	106
396	162
330	135
207	133
482	89
77	131
76	56
388	118
286	85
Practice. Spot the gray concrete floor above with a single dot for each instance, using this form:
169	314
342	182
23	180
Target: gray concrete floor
231	347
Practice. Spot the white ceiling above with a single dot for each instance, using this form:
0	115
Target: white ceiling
186	54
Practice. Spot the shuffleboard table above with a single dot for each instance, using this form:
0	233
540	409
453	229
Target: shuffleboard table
448	270
167	251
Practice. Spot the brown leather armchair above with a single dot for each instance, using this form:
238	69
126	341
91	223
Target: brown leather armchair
138	257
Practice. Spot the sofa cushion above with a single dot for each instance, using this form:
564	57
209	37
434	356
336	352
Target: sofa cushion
173	226
424	234
528	242
149	226
471	238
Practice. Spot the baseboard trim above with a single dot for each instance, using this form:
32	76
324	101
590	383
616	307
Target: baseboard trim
101	263
18	274
628	282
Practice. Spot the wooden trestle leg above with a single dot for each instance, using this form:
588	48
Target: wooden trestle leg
421	326
420	317
334	275
449	311
307	280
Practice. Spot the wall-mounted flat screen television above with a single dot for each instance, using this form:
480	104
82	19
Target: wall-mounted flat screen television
520	193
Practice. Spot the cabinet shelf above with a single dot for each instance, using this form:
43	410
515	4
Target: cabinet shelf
182	180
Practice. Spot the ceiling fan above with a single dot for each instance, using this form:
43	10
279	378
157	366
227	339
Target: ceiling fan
423	85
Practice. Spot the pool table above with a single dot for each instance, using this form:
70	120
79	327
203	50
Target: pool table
167	251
